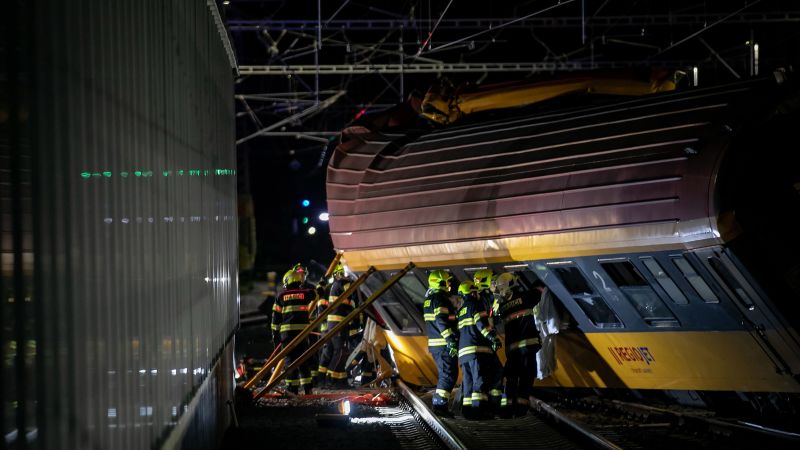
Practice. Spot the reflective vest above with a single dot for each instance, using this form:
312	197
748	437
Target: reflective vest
517	316
473	329
440	318
290	311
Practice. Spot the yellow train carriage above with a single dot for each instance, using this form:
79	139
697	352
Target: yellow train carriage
651	221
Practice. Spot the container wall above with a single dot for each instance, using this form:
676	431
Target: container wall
121	233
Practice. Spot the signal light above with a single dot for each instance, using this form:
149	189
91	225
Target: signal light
305	203
305	220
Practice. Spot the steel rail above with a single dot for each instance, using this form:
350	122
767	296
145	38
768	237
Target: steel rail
575	426
430	419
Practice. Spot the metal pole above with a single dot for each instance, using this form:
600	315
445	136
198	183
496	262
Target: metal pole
317	48
333	264
339	327
307	330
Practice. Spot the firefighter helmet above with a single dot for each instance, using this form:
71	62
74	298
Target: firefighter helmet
504	283
467	287
438	279
483	279
293	276
338	270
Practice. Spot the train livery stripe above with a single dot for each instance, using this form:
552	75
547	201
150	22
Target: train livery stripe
726	361
643	237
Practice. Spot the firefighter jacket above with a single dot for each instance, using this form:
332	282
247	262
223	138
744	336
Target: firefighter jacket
440	319
517	316
290	312
343	310
474	330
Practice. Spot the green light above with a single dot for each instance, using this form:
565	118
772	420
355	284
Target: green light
180	172
138	173
107	174
305	220
86	174
149	173
124	174
167	173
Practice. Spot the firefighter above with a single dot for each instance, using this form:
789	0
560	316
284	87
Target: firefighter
477	344
439	314
483	282
289	318
313	308
514	307
333	359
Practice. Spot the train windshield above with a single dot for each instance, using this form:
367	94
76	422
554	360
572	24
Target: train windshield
414	289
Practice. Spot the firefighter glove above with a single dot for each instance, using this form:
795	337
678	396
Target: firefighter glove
452	348
496	344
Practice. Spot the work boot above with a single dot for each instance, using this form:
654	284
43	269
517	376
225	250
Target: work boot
308	389
293	389
442	411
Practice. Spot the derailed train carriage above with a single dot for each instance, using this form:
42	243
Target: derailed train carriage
665	225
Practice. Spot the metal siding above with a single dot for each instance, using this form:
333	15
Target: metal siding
648	160
132	281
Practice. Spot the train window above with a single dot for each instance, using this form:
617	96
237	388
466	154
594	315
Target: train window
592	304
638	291
697	282
391	306
665	281
731	282
414	289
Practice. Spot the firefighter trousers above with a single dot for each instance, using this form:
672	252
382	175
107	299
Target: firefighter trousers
300	377
447	366
520	373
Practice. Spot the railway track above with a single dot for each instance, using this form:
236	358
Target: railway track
634	425
531	431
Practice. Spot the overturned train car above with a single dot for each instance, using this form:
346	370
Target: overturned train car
666	226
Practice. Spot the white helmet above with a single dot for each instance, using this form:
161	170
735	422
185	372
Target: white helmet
504	283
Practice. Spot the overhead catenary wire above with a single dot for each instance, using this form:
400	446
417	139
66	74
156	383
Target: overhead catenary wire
707	27
503	25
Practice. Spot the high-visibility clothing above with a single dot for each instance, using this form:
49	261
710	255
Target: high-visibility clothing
516	313
522	343
440	322
440	319
333	357
289	318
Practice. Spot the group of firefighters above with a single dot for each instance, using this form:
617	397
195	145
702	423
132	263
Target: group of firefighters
295	308
461	332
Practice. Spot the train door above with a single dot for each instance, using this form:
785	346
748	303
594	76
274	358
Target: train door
777	340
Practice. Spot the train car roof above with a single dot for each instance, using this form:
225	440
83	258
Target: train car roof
626	174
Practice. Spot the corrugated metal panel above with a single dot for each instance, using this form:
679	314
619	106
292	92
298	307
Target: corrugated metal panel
626	163
133	222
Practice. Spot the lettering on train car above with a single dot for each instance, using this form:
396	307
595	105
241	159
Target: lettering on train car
632	354
294	296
